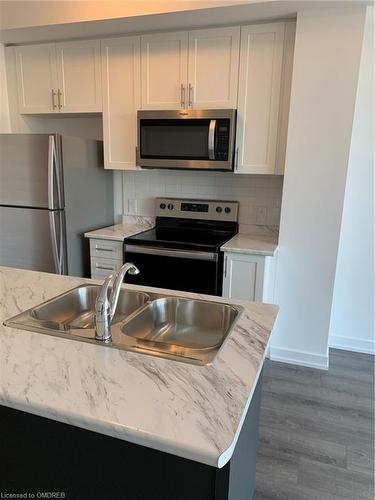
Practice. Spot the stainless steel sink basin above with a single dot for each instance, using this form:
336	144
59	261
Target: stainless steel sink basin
186	323
164	326
74	310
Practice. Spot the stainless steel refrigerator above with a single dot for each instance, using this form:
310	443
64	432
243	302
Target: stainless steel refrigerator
53	189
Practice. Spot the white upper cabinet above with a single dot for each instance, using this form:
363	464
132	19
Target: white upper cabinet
213	68
60	77
247	68
121	100
36	78
164	70
79	76
196	69
260	78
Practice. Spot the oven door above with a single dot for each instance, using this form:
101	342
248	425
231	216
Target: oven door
194	139
189	271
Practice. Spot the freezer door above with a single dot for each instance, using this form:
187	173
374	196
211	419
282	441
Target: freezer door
33	239
30	173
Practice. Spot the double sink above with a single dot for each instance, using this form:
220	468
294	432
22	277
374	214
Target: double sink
160	325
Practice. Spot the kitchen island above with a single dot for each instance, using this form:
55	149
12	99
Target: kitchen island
134	423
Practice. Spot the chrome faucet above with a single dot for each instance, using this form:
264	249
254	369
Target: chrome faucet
105	307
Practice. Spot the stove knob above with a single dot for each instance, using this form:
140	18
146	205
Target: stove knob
162	206
227	210
219	210
170	206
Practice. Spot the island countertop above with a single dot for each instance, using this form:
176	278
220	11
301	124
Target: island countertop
191	411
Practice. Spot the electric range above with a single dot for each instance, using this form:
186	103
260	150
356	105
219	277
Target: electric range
182	251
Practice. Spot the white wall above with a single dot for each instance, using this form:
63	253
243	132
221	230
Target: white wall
24	13
259	195
4	105
352	317
325	77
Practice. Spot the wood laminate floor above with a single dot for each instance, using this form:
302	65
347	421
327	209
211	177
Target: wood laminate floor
317	431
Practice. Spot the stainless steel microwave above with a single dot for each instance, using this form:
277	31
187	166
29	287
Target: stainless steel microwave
187	139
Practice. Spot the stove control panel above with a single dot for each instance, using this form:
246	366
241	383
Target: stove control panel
197	209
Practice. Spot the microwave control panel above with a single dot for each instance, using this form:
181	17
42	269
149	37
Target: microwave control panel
222	140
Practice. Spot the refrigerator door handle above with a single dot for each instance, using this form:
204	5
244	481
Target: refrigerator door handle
55	250
62	254
51	172
53	176
58	241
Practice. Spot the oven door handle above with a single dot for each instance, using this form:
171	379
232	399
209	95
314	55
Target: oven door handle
211	140
166	252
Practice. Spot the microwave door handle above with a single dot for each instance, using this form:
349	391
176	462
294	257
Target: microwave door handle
211	140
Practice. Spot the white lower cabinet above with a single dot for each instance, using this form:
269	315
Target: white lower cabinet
248	277
106	257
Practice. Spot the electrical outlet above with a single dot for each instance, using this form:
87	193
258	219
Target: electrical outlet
261	215
132	206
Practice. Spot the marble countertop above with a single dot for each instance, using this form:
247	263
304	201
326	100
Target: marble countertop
119	232
191	411
251	244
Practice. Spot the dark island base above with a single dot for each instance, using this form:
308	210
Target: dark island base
41	455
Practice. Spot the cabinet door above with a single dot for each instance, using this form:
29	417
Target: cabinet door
243	276
164	70
121	99
260	73
78	67
36	78
213	68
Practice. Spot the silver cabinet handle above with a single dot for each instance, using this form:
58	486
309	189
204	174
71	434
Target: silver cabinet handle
211	140
59	94
183	100
53	99
190	95
103	249
236	159
104	268
225	266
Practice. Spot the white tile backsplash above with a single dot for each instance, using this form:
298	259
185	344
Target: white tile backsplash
259	196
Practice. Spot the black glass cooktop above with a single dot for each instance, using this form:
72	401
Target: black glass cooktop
186	234
180	239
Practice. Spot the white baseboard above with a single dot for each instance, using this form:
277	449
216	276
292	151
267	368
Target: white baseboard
301	358
352	344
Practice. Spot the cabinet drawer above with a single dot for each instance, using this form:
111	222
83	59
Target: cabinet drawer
106	249
100	268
